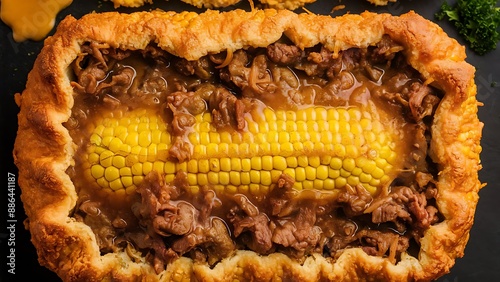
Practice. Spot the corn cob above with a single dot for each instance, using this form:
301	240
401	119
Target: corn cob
321	148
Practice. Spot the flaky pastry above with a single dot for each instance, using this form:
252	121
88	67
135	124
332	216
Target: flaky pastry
45	152
277	4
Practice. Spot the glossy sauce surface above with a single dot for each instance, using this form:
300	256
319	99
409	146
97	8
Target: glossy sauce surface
31	19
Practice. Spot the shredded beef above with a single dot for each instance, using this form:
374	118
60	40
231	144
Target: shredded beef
251	224
422	101
181	225
187	102
356	200
226	109
284	54
298	231
385	50
167	221
404	204
202	68
213	238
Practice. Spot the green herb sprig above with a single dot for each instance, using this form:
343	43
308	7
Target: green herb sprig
476	20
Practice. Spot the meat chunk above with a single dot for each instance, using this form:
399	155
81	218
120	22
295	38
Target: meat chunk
298	233
213	238
284	54
404	204
175	227
227	110
246	218
422	101
202	68
355	199
385	50
187	102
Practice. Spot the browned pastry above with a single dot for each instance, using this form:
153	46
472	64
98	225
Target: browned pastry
277	4
401	184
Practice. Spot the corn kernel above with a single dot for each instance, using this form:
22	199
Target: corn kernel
279	163
102	182
333	173
291	162
97	171
181	166
213	178
290	172
318	184
267	162
300	174
328	184
365	177
275	175
303	161
126	171
169	178
287	149
256	163
254	189
344	173
352	180
265	178
169	168
310	173
339	150
314	161
272	136
119	161
235	178
340	182
137	169
144	138
255	176
283	137
192	179
127	181
214	164
224	178
225	137
348	164
108	131
245	178
111	173
377	173
106	158
246	164
322	172
236	164
225	164
307	184
202	179
147	167
158	166
138	179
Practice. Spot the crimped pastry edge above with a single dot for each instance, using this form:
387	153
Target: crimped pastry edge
43	148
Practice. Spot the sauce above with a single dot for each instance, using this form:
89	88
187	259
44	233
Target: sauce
31	19
329	220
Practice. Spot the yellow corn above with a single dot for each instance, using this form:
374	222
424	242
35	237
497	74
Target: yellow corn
321	148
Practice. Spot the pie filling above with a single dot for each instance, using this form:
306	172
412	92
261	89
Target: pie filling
271	149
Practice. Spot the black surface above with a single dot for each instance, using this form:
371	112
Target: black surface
482	255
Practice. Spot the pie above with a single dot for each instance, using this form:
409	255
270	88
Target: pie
261	145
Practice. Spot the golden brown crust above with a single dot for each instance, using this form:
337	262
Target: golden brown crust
276	4
44	150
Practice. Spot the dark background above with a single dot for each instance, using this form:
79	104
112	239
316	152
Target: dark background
482	255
